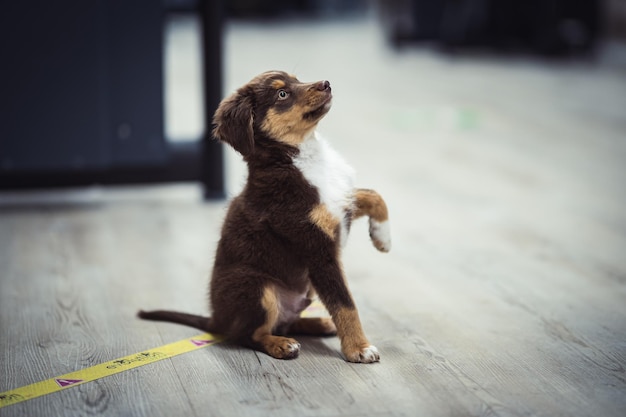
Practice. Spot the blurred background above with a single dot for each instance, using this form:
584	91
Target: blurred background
115	92
494	129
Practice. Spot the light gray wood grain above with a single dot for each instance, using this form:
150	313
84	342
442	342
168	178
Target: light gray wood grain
504	293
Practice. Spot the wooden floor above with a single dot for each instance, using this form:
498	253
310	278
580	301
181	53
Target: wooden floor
504	293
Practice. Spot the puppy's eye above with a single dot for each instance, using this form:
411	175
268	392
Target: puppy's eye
282	94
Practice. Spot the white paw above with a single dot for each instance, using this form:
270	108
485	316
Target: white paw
283	348
380	235
293	347
368	354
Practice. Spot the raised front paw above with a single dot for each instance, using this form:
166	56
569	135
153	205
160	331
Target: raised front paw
380	235
368	354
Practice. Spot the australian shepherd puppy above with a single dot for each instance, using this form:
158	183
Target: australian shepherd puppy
282	237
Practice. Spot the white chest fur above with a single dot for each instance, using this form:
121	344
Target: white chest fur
326	170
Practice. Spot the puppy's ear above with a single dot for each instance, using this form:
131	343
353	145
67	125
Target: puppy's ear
233	123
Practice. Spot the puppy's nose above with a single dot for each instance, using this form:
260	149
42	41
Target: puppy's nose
323	86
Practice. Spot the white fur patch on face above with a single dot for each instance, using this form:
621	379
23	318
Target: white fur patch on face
327	171
380	235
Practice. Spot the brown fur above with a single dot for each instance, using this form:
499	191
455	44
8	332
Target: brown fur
369	203
279	244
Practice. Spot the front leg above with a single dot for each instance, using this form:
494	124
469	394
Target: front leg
354	344
330	284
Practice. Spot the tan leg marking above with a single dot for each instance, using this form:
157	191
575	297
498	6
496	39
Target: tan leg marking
276	346
322	218
314	326
354	344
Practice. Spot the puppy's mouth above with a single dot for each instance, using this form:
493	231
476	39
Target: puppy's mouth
319	111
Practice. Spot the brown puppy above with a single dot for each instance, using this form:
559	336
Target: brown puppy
282	237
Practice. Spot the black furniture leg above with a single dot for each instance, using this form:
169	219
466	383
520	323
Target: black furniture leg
211	13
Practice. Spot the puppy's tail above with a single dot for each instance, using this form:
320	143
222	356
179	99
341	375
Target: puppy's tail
191	320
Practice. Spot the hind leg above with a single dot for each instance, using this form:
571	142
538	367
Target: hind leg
263	338
247	307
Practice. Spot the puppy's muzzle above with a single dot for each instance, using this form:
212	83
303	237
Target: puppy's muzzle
323	86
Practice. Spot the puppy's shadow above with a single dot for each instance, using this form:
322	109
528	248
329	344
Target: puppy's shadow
310	345
315	345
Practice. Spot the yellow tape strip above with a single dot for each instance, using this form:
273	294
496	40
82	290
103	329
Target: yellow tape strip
116	366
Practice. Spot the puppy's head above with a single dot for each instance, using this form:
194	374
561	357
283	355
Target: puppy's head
275	104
